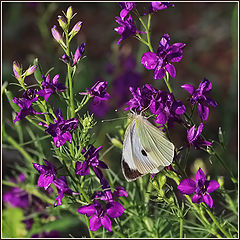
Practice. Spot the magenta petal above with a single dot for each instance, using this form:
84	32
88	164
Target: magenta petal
106	222
161	118
197	198
89	210
211	102
212	185
208	200
45	181
159	72
203	111
200	175
115	209
149	60
191	134
55	79
94	223
189	88
171	70
67	136
187	186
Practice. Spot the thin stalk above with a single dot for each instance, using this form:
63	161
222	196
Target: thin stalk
90	232
181	228
217	224
166	79
83	102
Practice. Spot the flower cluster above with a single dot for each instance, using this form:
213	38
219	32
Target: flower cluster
48	177
160	103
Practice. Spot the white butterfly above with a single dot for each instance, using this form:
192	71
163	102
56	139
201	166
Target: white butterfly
146	149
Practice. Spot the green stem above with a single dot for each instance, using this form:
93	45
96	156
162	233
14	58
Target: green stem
166	79
72	110
217	224
83	102
181	228
147	31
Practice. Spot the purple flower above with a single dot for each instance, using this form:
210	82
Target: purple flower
16	196
50	87
91	156
100	214
25	104
98	92
201	187
17	70
194	137
200	96
126	8
56	34
60	129
78	53
126	29
162	61
62	188
47	174
142	97
156	6
51	234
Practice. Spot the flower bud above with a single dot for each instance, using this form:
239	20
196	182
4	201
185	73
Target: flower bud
65	58
56	34
76	28
31	70
116	143
62	22
69	13
220	180
17	70
78	53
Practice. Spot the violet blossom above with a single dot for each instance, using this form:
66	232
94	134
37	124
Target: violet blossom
200	96
91	156
126	8
47	174
194	137
162	61
126	29
25	104
157	6
98	92
60	129
50	87
62	188
201	187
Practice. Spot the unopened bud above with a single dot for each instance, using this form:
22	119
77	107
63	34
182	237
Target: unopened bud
62	22
31	70
220	180
76	28
78	53
17	70
69	13
116	143
56	34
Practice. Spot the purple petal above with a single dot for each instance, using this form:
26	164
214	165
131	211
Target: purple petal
191	134
89	210
115	209
82	168
149	60
212	185
197	198
211	102
199	130
161	118
171	70
106	222
187	186
58	199
208	200
159	72
120	192
45	181
200	176
94	223
178	107
67	136
55	79
189	88
40	168
203	111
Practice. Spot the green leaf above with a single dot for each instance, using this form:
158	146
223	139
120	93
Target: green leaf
12	225
37	72
10	97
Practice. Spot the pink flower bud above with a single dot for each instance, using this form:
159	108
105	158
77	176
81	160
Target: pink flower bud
31	70
56	34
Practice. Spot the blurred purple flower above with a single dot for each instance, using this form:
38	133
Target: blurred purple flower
16	196
162	61
201	187
50	87
194	137
126	8
100	108
47	174
25	104
126	29
78	53
98	92
51	234
100	214
91	156
62	188
60	130
200	96
156	6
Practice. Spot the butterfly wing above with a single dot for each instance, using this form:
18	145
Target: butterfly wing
159	149
129	168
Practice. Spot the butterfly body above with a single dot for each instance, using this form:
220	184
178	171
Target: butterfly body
146	149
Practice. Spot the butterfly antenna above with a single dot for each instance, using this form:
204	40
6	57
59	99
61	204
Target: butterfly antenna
113	119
